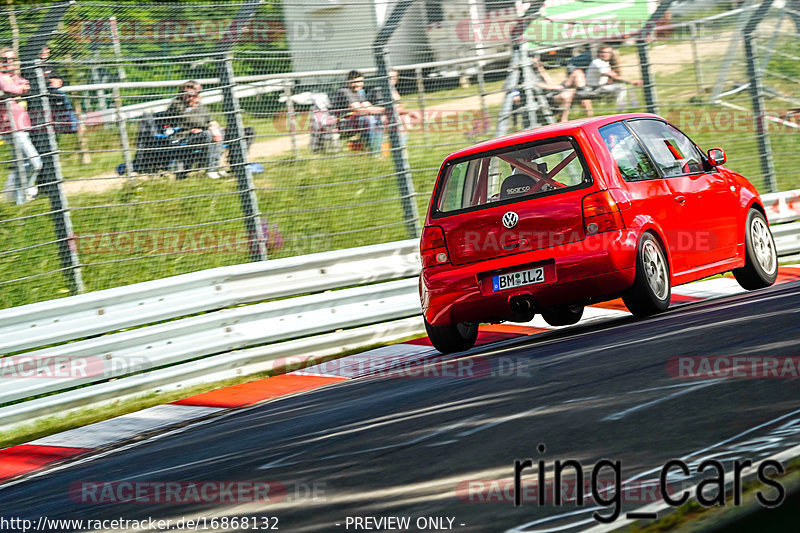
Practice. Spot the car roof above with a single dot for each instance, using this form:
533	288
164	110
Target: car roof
552	130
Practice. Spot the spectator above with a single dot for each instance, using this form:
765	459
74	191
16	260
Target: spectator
602	80
405	116
195	128
15	128
357	114
562	94
64	117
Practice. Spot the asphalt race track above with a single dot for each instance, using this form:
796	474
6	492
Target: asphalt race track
409	446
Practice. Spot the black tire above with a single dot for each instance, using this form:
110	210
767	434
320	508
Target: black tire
760	256
453	338
651	290
562	315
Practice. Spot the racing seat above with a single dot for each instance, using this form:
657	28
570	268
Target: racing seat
516	185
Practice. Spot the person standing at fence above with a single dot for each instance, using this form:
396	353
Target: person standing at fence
357	114
64	118
15	125
196	129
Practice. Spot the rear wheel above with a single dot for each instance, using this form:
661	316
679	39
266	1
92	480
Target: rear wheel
651	290
760	256
452	338
562	315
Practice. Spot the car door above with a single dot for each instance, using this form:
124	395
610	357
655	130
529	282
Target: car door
706	232
651	196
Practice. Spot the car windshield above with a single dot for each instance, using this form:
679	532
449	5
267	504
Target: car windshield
512	174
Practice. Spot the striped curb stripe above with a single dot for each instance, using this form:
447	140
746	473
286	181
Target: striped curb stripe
24	459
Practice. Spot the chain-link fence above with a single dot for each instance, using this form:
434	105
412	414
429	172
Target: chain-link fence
168	138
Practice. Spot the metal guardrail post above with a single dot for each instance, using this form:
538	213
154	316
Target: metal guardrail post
757	98
402	168
237	150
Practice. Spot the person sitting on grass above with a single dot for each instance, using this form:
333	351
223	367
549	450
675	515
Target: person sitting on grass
196	128
357	114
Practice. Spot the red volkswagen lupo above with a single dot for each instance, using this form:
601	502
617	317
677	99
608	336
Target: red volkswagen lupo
551	219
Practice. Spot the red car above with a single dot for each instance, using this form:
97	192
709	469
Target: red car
552	219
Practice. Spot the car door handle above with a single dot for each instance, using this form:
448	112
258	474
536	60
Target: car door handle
680	199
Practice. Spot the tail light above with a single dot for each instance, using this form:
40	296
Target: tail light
432	247
601	213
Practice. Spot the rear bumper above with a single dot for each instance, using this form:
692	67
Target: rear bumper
597	267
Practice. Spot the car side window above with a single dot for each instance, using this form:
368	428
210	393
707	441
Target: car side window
633	162
672	151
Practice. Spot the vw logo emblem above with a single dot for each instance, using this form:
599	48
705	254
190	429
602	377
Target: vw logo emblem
510	219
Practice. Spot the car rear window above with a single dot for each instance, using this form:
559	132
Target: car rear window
512	174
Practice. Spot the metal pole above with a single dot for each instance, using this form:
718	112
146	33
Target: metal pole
402	168
290	118
757	98
648	82
421	101
405	183
237	146
45	142
52	181
696	56
727	60
527	85
123	127
482	94
508	101
237	150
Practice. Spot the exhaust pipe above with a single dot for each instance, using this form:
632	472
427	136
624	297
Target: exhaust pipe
523	307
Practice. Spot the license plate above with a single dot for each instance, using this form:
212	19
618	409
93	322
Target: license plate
517	279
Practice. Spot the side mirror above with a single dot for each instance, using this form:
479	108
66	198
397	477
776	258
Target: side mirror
716	156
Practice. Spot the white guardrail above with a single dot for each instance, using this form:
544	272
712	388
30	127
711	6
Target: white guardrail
206	326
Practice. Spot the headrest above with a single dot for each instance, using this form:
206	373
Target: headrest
516	185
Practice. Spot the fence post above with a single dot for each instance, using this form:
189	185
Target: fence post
399	155
402	169
237	155
290	119
696	56
509	86
121	123
757	98
484	124
421	101
52	181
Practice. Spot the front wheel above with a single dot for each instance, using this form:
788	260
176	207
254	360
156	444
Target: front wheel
651	290
452	338
562	315
760	256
